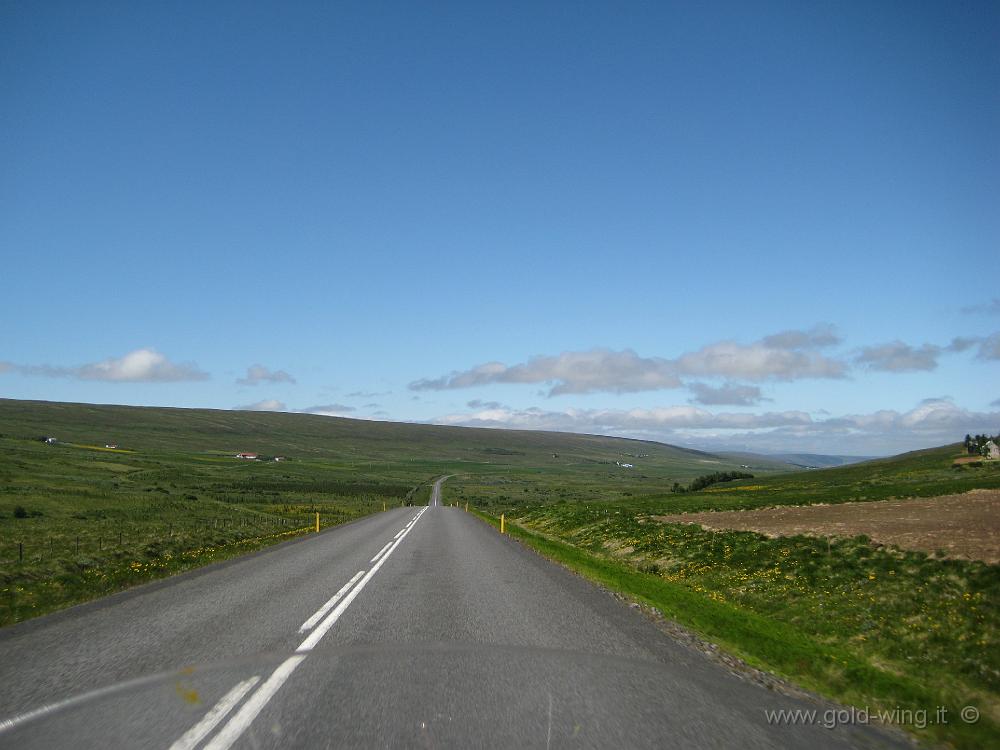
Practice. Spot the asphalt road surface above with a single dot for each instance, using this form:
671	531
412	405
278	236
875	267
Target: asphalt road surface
416	627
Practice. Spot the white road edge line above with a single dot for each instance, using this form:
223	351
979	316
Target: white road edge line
321	612
245	716
310	642
190	739
377	556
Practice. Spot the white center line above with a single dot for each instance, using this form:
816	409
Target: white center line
310	642
217	713
245	716
379	554
239	723
321	612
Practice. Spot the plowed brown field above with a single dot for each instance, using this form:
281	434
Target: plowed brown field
966	525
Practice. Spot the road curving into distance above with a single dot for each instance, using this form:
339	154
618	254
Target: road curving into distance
419	626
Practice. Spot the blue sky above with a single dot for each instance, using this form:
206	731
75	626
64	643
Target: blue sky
591	217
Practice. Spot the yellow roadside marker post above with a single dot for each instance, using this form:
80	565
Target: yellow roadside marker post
466	507
317	523
383	506
503	524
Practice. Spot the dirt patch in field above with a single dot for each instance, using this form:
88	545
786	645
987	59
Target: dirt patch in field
966	525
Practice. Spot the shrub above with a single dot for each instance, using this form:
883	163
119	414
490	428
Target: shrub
20	512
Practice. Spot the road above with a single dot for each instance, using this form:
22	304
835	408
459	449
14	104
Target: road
416	627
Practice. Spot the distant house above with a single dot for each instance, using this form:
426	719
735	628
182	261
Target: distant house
623	466
49	440
992	450
111	445
247	456
279	458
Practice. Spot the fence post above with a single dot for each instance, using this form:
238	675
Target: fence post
20	551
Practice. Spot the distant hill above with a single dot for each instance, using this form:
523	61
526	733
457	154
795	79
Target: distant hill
782	462
819	460
921	473
341	439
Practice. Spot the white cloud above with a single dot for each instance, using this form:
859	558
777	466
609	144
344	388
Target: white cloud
269	404
818	337
729	394
786	356
961	343
325	410
989	348
616	420
569	372
932	422
989	308
758	362
897	356
328	410
480	404
789	355
141	365
257	374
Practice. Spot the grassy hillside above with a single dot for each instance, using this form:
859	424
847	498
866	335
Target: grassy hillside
923	473
806	460
79	519
341	439
491	464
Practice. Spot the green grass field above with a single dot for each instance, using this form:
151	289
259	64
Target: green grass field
79	520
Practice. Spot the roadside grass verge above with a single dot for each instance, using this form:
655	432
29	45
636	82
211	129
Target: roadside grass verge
769	634
79	522
36	589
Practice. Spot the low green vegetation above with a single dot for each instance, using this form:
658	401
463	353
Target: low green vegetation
708	480
122	495
869	625
78	522
926	473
